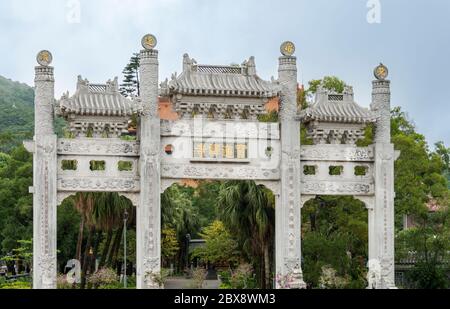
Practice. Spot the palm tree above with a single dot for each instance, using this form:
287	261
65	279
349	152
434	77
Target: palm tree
100	211
178	213
108	215
83	203
248	210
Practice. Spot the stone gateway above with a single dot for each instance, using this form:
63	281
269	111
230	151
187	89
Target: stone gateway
216	135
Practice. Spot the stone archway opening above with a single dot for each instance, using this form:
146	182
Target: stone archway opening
221	233
91	240
335	242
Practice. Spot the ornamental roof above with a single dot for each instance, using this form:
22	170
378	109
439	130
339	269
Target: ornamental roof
98	100
217	80
331	106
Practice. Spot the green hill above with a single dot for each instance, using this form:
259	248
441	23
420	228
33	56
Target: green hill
16	113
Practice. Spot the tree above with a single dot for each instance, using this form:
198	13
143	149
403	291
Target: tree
332	83
179	213
220	248
248	211
335	234
16	210
169	245
429	245
130	84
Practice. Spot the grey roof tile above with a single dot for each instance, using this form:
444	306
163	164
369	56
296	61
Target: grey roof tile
333	107
216	80
98	100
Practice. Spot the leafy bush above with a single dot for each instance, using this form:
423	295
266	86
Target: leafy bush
198	276
16	285
329	279
241	278
284	281
103	278
61	282
220	247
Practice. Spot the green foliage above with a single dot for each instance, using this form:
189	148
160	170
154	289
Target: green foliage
15	200
248	211
68	221
429	245
23	253
330	280
335	234
16	113
204	199
18	284
419	173
269	117
241	278
104	277
220	248
328	82
130	84
169	244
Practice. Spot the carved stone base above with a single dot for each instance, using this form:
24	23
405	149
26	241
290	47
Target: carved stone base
298	282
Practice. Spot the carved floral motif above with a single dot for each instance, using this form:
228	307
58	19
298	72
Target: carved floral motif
97	147
106	184
341	188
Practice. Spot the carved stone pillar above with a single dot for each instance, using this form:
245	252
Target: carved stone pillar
148	216
287	208
44	179
382	263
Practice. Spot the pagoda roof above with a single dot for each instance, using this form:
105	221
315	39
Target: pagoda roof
217	80
330	106
98	100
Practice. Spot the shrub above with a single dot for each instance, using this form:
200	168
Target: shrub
103	277
61	282
198	276
243	278
284	281
329	279
16	285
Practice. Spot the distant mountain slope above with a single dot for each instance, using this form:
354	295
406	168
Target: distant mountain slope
16	113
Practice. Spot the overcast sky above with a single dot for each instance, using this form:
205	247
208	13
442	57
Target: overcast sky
331	37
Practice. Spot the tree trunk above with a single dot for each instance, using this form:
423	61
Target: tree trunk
116	246
85	264
266	265
92	261
106	249
80	239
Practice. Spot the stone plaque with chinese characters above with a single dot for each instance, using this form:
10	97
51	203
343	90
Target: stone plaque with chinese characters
220	151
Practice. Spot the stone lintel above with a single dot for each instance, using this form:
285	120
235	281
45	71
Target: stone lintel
98	147
98	184
346	153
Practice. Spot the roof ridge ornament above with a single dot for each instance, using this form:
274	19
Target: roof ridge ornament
188	62
82	84
250	66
